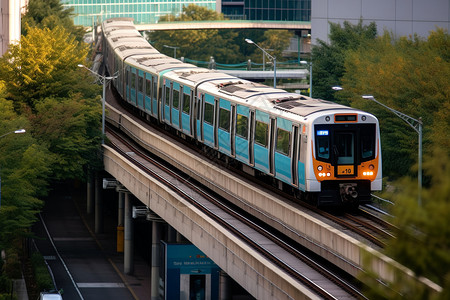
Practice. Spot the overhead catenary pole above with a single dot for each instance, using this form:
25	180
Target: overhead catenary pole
417	126
104	80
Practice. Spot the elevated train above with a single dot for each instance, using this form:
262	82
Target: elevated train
321	150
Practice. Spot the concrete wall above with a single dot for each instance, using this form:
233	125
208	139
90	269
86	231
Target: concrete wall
402	17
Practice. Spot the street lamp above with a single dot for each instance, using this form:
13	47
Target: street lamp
304	62
417	126
174	50
273	58
1	136
105	81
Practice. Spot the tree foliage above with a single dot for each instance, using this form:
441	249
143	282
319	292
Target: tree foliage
422	240
43	64
410	75
24	171
226	46
50	14
329	59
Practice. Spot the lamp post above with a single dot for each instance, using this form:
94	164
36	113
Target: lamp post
304	62
273	58
417	126
105	81
174	50
1	136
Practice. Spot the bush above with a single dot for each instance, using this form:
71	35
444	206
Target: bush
42	276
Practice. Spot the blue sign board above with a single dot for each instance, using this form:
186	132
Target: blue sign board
188	273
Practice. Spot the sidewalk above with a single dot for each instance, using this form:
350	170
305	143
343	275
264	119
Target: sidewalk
139	282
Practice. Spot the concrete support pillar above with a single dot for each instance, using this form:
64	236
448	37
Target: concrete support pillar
90	193
224	293
180	238
120	212
156	237
128	255
98	205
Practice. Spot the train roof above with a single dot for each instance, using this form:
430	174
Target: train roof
307	106
157	62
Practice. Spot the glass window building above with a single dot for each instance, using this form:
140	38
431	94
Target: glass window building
268	10
89	12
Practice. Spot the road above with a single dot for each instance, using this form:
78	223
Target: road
81	266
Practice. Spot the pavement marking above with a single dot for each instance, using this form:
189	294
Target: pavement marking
100	285
49	257
71	239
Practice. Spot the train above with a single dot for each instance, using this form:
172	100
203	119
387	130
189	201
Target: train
319	150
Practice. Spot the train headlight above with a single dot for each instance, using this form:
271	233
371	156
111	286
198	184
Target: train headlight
371	167
328	174
363	118
319	168
327	118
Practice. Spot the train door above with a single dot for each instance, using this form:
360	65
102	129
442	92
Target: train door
295	155
199	102
261	142
140	90
251	138
148	93
224	127
344	152
242	134
185	122
133	93
272	142
283	151
233	130
166	101
175	105
127	84
209	120
216	123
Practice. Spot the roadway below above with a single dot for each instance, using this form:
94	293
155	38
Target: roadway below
87	266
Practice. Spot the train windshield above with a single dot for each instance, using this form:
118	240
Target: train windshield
345	144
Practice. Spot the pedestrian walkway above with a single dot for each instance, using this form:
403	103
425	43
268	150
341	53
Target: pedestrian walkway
20	289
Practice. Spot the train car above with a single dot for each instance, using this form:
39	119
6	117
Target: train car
317	149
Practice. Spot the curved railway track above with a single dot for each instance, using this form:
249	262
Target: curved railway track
373	229
125	148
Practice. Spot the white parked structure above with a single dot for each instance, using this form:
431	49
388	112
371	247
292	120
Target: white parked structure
10	11
401	17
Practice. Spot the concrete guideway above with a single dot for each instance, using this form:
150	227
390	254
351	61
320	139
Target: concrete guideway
255	273
332	244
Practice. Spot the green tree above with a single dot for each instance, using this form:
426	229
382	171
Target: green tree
422	240
24	171
43	64
328	59
69	127
50	14
226	46
410	75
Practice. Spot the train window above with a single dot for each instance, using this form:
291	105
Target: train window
344	142
133	81
155	87
127	76
148	87
140	84
323	146
167	95
242	126
262	133
283	141
176	98
186	103
208	113
368	142
224	119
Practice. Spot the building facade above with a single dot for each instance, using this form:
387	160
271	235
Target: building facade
10	11
267	10
89	12
401	17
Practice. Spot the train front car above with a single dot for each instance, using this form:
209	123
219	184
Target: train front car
345	164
